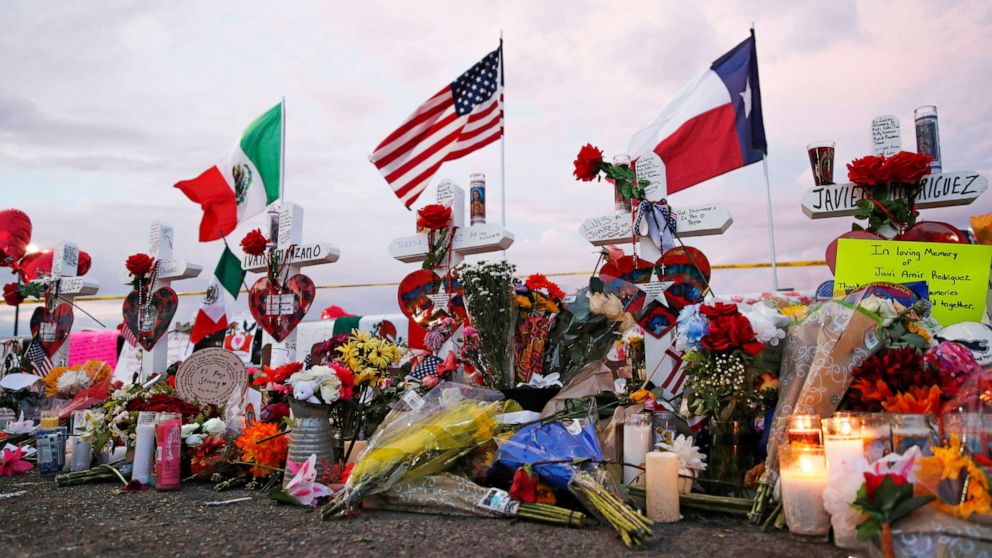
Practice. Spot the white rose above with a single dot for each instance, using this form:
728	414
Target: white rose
596	302
330	389
214	426
613	308
188	429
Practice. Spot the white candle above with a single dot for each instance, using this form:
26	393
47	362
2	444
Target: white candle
803	481
144	448
637	437
662	486
82	455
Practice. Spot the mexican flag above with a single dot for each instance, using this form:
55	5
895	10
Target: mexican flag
222	292
244	183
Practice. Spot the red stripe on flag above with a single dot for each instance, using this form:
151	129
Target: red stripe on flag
220	210
412	143
204	326
703	147
419	116
474	146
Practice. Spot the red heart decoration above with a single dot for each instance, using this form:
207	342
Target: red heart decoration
831	254
628	269
686	260
41	262
281	317
58	324
161	308
934	231
15	234
414	297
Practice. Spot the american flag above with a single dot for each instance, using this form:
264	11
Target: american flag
128	335
464	116
426	368
37	355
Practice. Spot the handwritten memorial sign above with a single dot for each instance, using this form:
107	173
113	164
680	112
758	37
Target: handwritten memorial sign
210	376
957	275
938	190
885	135
93	345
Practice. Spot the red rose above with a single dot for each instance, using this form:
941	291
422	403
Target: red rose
254	243
873	482
867	171
275	412
11	294
588	162
716	340
139	265
433	217
524	487
907	168
719	309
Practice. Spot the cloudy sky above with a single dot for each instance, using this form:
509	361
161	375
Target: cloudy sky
104	106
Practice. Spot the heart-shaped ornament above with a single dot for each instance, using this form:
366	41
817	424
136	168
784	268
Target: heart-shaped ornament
628	268
51	328
424	297
831	253
279	311
689	270
162	306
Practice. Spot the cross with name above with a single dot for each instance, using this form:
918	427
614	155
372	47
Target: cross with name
475	239
699	220
65	266
161	241
292	252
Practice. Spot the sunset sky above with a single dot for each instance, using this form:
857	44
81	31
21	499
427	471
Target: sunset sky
104	106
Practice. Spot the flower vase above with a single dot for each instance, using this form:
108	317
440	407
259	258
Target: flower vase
311	434
731	454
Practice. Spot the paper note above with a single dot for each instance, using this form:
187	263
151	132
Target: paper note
885	136
957	275
90	345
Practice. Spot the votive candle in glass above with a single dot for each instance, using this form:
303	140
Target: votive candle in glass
876	433
638	436
803	471
842	439
913	430
967	427
804	430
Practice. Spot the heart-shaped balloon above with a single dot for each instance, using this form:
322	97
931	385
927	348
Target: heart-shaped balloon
934	231
415	297
162	305
40	263
51	328
15	234
279	311
831	254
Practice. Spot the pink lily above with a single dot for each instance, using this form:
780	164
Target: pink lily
12	462
304	487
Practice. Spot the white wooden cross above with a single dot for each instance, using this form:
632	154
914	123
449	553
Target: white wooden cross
65	266
698	220
474	239
290	233
161	241
939	190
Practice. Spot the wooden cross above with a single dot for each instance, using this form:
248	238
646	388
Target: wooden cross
699	220
161	241
290	234
65	266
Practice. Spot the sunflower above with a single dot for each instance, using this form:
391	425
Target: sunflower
270	455
945	467
52	380
916	328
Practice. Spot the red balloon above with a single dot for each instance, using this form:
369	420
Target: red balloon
41	262
15	234
831	255
934	231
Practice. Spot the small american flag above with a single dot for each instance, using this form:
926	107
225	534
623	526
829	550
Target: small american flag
37	355
426	368
465	115
128	335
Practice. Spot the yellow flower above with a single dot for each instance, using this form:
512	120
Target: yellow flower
524	302
948	464
796	312
916	328
51	380
641	395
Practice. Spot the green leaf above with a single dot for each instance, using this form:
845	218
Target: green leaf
869	528
908	506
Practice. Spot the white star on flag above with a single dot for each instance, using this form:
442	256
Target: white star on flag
746	95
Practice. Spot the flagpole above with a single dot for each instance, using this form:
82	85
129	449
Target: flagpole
502	140
768	197
282	151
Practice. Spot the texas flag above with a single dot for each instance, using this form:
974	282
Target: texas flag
712	126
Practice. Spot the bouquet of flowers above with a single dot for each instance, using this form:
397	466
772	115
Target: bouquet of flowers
589	166
491	305
539	301
435	220
65	383
890	186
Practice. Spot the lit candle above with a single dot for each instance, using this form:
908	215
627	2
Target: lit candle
662	486
912	430
804	430
842	440
803	471
876	436
637	437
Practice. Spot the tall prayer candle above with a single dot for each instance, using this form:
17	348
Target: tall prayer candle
842	439
637	438
803	471
662	486
169	441
144	447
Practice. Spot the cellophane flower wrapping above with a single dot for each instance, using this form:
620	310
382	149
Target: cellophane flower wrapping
444	494
552	441
411	443
490	303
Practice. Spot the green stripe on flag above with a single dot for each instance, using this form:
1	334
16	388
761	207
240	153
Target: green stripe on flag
261	144
345	324
229	272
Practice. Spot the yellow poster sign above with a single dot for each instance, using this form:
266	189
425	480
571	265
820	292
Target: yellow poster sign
957	275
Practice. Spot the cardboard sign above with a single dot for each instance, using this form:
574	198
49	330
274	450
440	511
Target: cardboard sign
210	376
957	275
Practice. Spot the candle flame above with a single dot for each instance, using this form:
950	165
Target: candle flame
806	464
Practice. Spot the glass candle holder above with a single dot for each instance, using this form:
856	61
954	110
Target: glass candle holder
968	428
842	439
803	471
620	204
638	436
821	159
913	430
804	430
876	433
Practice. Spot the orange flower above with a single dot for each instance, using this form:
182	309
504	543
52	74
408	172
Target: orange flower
878	392
271	454
918	400
641	395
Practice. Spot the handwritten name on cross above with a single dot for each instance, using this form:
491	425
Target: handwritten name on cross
700	220
161	242
65	266
296	255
